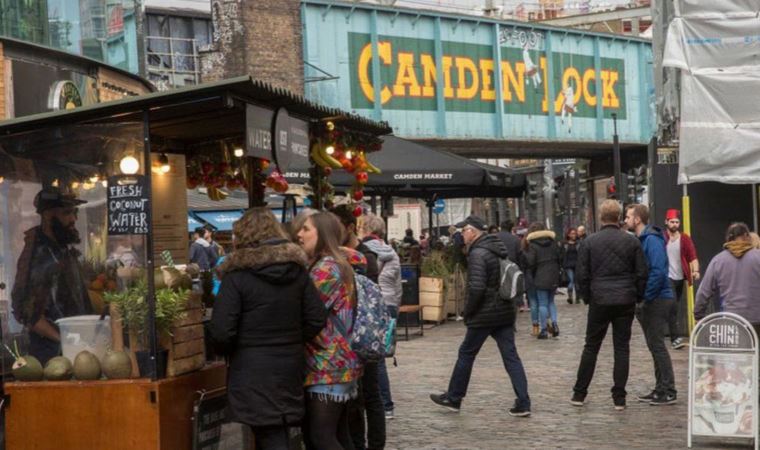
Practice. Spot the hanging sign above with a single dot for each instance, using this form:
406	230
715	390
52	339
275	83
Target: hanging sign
128	205
723	378
258	132
291	141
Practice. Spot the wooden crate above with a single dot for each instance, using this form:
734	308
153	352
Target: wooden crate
186	345
431	298
431	284
434	313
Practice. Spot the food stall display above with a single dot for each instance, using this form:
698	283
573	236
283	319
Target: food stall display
102	326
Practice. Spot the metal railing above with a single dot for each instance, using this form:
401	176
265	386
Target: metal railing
172	62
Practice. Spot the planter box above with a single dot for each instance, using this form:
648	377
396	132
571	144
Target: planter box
433	298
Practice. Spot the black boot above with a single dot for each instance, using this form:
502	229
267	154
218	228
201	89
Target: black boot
555	329
569	298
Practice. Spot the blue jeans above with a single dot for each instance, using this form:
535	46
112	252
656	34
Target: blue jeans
533	301
473	341
382	371
546	307
570	281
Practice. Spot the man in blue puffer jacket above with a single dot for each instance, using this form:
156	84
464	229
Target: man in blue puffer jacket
657	301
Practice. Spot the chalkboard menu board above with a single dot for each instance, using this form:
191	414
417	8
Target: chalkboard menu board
128	205
209	414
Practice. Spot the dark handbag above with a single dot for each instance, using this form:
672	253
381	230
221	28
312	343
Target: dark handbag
564	279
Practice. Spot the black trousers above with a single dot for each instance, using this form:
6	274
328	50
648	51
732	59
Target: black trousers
271	438
369	403
678	286
599	319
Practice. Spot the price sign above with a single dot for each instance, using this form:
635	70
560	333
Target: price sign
128	205
209	413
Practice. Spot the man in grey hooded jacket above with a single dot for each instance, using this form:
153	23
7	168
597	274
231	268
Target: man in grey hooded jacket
389	280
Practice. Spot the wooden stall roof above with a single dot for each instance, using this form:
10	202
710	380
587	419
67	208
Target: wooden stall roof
203	111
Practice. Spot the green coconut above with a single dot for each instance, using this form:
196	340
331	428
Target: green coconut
86	366
58	369
25	368
116	365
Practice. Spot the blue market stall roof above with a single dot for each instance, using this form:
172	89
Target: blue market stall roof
207	111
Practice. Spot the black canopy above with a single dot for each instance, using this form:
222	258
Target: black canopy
415	171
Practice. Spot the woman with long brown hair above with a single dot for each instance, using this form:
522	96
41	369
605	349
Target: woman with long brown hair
332	367
266	311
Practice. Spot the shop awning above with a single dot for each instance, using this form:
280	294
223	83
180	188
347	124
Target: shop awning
220	220
192	223
416	171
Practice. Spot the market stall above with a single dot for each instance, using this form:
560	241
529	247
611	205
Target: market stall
96	298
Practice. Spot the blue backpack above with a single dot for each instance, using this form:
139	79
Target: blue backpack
370	321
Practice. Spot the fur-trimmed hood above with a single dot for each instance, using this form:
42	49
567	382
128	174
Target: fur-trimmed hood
276	260
543	234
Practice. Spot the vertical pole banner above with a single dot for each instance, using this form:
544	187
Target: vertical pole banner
723	379
686	207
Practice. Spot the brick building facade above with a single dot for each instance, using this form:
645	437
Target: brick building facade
260	38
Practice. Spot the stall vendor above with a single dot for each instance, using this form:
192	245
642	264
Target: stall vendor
49	283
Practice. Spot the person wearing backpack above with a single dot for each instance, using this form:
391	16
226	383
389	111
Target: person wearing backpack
485	314
389	280
333	368
369	403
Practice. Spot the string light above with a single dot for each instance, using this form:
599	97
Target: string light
330	150
239	152
349	154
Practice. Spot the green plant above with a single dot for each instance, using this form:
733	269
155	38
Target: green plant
435	265
133	308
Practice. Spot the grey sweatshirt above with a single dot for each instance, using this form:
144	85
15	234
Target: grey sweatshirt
389	265
734	282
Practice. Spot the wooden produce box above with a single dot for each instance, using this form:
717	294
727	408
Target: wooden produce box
186	345
137	414
432	298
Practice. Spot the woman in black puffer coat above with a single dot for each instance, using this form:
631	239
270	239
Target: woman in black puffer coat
266	310
543	258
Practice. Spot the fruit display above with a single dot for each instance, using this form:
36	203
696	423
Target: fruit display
277	182
58	369
116	365
26	367
86	366
216	170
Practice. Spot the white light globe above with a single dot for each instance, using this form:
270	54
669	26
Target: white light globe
129	165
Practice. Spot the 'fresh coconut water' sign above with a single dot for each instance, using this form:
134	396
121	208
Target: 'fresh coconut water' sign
723	378
128	205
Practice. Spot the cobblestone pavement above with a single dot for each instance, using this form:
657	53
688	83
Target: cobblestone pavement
425	364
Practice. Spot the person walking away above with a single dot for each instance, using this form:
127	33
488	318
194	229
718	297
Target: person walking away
530	287
389	280
658	299
201	252
485	314
267	309
612	274
542	258
512	243
733	276
683	267
369	402
332	368
569	261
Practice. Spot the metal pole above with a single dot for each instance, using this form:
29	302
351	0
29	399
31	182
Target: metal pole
616	159
149	266
754	207
686	207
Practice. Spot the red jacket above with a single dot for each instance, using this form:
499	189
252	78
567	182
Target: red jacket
688	254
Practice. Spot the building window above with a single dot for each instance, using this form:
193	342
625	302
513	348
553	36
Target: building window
172	45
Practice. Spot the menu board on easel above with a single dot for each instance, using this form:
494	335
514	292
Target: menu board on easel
170	210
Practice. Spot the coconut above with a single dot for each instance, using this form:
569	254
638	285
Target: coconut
58	369
116	365
86	366
27	368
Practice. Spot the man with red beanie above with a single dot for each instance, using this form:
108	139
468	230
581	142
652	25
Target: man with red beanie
683	266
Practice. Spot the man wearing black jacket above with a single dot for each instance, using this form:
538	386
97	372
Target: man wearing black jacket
612	275
485	314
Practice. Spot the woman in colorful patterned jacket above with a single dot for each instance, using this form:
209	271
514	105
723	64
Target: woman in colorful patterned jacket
332	367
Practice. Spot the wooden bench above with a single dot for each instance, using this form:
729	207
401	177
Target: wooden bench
407	309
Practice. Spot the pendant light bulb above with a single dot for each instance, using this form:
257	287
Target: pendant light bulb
163	160
129	165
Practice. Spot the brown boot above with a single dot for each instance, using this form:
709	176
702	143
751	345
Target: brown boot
536	330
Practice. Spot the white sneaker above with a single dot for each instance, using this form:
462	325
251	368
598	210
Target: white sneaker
389	414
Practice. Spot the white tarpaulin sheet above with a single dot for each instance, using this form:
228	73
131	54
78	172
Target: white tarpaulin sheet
717	47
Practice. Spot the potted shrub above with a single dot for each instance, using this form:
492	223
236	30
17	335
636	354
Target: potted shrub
132	308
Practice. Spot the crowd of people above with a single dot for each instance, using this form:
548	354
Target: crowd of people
287	303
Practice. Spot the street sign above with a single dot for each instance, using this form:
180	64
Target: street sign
440	206
723	378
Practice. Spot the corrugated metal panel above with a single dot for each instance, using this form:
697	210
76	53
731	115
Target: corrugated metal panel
537	62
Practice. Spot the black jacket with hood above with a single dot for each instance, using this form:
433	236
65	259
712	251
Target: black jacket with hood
542	258
483	307
266	310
